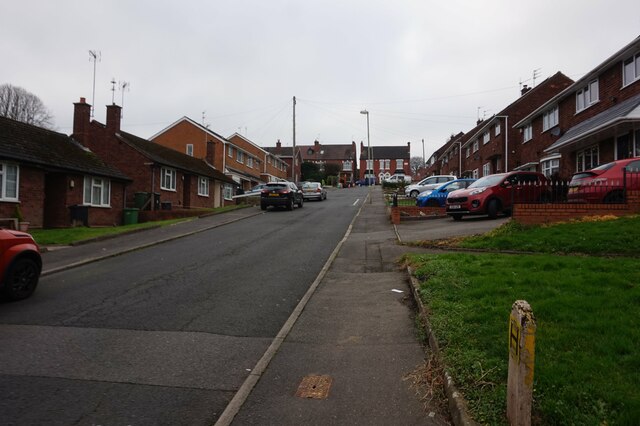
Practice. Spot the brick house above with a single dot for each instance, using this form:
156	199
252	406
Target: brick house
237	157
342	155
286	154
591	122
177	180
55	181
385	161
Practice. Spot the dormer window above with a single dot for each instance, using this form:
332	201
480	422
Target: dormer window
587	96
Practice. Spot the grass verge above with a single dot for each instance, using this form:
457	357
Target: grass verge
587	363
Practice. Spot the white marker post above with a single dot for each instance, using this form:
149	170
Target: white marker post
522	340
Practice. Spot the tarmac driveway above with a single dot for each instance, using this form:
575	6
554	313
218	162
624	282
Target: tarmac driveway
435	229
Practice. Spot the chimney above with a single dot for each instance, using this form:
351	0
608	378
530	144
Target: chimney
524	89
81	120
114	113
278	145
210	153
316	147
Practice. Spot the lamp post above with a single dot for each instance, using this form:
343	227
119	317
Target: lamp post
365	112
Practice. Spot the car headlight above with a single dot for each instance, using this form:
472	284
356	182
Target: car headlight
478	191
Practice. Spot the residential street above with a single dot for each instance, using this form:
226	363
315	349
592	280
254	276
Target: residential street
165	334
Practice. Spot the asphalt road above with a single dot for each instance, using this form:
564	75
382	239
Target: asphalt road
167	334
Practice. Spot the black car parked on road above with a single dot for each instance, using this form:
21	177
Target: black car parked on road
281	194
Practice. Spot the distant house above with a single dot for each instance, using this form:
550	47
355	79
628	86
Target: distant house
591	122
55	181
384	161
170	178
236	156
342	155
286	154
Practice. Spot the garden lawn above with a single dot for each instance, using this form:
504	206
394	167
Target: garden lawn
587	363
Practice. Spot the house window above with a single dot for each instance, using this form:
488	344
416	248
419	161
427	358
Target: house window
486	138
587	159
369	164
230	151
9	178
527	133
269	160
190	149
97	192
486	169
227	191
476	146
550	119
474	174
399	164
550	166
203	186
628	146
468	152
631	70
497	129
249	161
239	156
168	179
587	96
346	166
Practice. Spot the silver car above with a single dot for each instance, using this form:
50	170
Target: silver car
431	182
314	191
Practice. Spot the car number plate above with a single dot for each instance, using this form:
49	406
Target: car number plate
274	195
454	206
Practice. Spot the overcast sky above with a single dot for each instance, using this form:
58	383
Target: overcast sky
423	69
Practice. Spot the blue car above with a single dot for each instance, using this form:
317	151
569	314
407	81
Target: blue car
438	197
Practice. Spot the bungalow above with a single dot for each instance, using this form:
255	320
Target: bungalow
385	161
176	180
591	122
54	181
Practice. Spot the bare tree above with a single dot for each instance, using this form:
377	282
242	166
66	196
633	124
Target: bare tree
18	104
415	163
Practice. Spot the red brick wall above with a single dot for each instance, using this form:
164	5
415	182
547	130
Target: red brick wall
31	188
414	212
185	133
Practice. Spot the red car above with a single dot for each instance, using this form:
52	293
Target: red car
496	194
20	264
605	183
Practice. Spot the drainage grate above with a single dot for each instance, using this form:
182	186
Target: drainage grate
316	387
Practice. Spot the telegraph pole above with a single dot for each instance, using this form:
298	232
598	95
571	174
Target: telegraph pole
293	159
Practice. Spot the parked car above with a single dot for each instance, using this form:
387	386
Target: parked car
20	264
605	183
427	183
313	191
397	178
496	194
256	190
281	194
366	182
438	197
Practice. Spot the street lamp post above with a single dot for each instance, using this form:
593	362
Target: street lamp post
369	159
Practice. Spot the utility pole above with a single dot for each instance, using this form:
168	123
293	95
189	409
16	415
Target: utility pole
294	158
424	160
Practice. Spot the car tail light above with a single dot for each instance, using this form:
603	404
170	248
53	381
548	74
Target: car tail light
318	190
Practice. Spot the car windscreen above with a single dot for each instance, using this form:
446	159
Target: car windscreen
311	185
273	186
491	180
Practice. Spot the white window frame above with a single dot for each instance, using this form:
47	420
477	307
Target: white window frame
476	145
249	161
239	156
468	153
474	174
346	166
203	186
230	151
631	74
227	191
550	165
550	118
189	150
399	164
9	186
486	169
168	179
369	165
497	129
527	133
486	137
587	96
581	158
96	187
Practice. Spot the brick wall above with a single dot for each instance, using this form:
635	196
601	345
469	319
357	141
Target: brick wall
414	212
30	195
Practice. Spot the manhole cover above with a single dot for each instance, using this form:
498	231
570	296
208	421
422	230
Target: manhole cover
316	387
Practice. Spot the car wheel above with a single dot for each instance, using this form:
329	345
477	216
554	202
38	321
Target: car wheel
22	279
614	197
301	202
290	205
263	206
456	216
413	194
492	209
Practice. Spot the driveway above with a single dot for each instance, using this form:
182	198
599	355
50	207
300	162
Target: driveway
435	229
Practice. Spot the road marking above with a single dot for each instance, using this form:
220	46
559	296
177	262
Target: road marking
356	202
